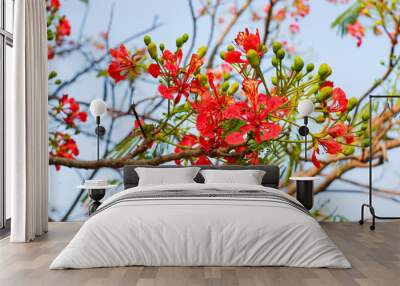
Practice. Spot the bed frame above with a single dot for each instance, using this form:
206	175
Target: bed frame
270	179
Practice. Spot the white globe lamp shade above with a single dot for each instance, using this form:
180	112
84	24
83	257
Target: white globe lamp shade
305	107
98	107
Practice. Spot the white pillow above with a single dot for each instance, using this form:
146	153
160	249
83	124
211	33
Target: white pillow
248	177
166	176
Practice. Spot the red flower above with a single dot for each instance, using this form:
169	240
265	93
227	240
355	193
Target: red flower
202	160
325	84
314	159
255	122
330	146
338	130
180	85
62	145
70	108
154	70
234	57
294	27
63	29
121	63
340	101
136	124
280	15
248	41
55	4
356	30
50	53
255	115
189	141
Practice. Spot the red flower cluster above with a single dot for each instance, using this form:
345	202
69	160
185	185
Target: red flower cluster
70	110
190	141
63	29
123	65
53	5
244	42
182	80
256	114
62	145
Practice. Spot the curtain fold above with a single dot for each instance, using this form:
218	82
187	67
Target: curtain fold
26	119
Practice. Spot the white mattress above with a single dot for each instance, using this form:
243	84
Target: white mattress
200	231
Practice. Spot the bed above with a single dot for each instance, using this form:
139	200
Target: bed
198	224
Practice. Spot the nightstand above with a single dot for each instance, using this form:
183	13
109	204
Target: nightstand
305	190
95	194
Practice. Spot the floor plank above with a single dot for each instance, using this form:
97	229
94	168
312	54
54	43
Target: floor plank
375	257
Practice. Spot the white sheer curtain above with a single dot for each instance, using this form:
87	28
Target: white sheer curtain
26	119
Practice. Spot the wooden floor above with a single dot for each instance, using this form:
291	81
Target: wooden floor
375	257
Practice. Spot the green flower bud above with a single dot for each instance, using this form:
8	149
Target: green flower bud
312	90
234	87
352	103
280	54
274	61
203	79
230	48
319	97
253	58
185	38
263	48
179	42
364	126
326	92
348	150
162	47
274	80
324	71
320	119
298	64
276	46
58	82
365	115
222	55
365	143
201	52
152	48
227	76
52	74
310	68
299	76
147	40
225	86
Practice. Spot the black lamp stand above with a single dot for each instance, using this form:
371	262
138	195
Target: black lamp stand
370	203
97	194
100	131
303	131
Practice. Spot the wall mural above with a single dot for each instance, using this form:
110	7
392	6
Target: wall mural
221	84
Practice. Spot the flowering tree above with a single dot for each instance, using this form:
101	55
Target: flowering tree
228	104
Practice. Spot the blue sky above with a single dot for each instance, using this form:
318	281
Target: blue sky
354	69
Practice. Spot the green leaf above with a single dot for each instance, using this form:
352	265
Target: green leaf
52	74
347	17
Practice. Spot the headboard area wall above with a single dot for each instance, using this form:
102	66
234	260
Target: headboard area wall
270	179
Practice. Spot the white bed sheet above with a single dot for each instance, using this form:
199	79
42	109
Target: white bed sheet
200	232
